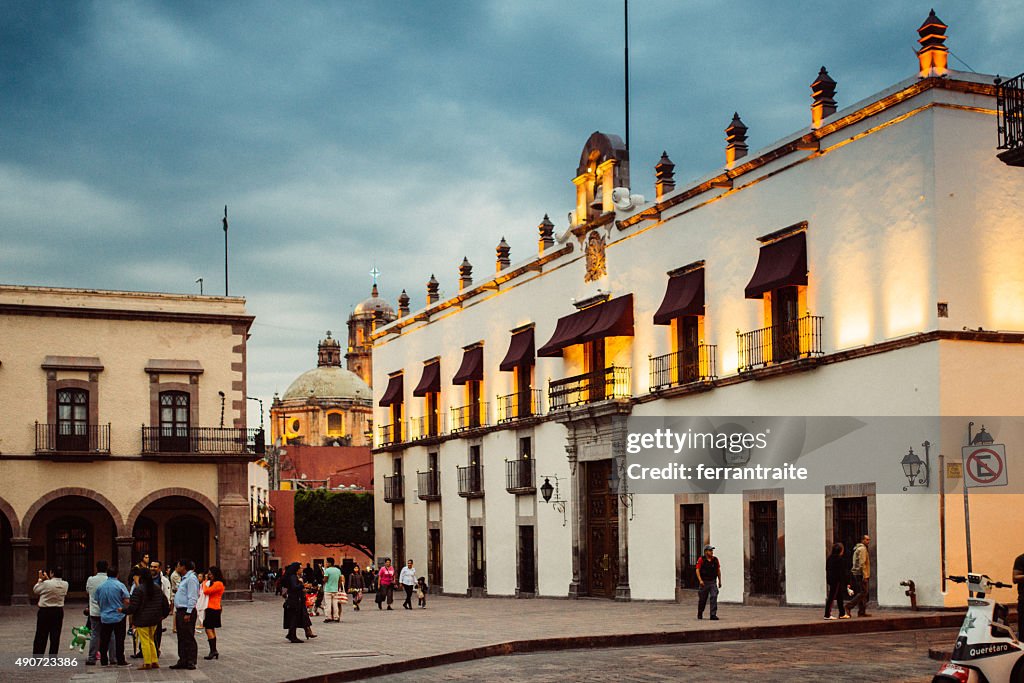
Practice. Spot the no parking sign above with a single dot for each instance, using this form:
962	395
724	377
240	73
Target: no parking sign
984	465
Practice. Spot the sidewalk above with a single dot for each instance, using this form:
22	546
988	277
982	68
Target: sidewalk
372	642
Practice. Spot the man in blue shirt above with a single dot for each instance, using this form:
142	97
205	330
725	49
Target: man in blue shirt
184	614
111	597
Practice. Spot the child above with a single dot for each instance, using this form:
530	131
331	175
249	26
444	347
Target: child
421	592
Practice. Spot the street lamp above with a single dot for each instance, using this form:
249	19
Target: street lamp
982	438
547	491
912	465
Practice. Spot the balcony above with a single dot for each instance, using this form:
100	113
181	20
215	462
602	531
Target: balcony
424	428
389	435
469	416
1010	120
205	440
72	438
429	485
687	366
589	387
471	481
394	489
519	405
788	341
519	476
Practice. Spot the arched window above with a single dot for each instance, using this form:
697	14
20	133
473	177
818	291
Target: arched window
174	421
69	545
72	420
335	426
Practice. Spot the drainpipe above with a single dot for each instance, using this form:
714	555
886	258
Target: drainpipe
942	521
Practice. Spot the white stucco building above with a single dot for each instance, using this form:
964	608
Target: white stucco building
868	264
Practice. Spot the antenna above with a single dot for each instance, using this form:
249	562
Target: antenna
199	281
625	4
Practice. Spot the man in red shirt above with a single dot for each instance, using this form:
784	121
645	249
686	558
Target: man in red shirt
709	573
386	584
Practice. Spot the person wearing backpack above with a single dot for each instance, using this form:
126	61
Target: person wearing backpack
709	573
149	607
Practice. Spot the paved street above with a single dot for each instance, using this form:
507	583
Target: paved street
868	658
253	647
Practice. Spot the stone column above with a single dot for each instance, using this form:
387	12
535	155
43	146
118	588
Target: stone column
124	557
19	579
619	463
575	515
232	530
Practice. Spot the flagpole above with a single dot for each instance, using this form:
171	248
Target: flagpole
626	27
225	250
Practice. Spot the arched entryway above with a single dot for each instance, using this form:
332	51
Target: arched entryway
6	560
173	527
72	532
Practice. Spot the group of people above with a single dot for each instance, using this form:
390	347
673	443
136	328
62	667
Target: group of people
307	591
844	579
139	608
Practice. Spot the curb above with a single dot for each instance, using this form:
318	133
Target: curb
846	627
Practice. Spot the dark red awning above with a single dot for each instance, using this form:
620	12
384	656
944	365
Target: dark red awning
779	264
683	296
472	368
611	319
521	351
393	392
430	382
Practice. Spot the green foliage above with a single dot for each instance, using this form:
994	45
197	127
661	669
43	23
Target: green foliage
334	518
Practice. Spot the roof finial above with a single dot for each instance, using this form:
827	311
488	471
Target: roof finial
374	273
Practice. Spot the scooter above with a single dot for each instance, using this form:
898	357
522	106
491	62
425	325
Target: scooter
986	650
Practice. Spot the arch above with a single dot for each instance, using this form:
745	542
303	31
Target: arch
12	518
136	512
606	146
26	523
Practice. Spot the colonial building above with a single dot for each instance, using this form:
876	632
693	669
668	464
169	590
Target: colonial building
867	264
124	433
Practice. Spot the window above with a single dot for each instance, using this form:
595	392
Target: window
72	420
145	539
687	330
335	426
174	421
70	546
593	365
784	305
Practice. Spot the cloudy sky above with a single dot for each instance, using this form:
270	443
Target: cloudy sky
402	133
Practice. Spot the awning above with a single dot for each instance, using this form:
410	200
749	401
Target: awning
394	391
520	351
472	368
779	264
683	296
430	382
611	319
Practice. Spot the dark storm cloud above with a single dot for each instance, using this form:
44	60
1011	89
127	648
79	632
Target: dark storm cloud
403	133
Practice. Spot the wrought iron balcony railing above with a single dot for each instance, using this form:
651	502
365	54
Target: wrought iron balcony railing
469	417
429	485
520	405
394	489
1010	119
590	387
425	428
208	440
471	481
519	476
686	366
791	340
72	438
388	435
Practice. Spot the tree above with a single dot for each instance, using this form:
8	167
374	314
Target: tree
334	518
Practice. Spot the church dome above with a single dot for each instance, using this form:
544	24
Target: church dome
327	382
373	304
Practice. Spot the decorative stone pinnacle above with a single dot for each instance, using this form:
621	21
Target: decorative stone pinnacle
823	91
664	176
546	229
503	251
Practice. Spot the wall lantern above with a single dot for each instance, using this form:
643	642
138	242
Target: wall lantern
615	486
912	466
551	495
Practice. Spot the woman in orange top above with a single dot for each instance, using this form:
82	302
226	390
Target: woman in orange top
213	588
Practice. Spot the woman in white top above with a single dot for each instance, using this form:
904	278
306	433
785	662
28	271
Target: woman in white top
202	602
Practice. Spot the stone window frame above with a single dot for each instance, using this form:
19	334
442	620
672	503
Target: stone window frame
862	490
704	500
762	495
63	364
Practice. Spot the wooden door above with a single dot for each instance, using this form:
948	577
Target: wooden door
691	543
849	522
477	567
527	569
602	557
764	548
785	324
434	558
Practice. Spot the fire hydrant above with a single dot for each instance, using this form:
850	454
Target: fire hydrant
911	592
